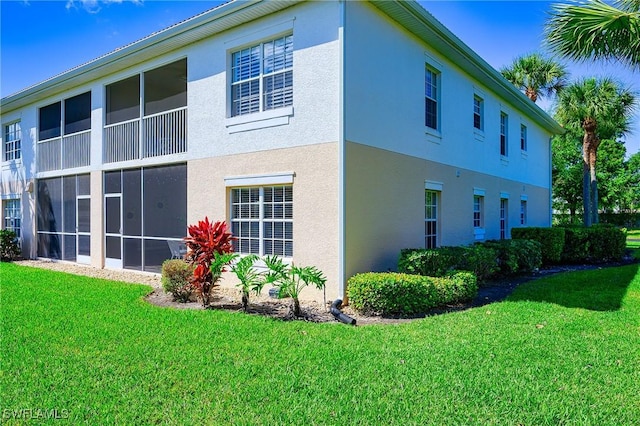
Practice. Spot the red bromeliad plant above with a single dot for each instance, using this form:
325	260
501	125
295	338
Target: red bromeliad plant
205	241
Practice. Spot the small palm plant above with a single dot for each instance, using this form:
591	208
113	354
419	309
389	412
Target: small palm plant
290	280
250	279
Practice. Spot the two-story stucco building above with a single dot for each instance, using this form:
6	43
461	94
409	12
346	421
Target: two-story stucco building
332	133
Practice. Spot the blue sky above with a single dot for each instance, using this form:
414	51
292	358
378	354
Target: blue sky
40	38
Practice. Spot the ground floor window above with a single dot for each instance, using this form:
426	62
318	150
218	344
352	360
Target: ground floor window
262	220
523	212
63	217
478	202
431	219
12	215
504	203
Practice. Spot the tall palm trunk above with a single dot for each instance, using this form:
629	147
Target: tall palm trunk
590	143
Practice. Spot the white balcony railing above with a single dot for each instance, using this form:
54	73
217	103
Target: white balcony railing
76	150
162	134
122	141
49	155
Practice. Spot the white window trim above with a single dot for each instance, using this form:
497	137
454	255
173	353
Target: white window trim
433	185
280	178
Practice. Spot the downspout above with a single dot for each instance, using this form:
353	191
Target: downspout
341	153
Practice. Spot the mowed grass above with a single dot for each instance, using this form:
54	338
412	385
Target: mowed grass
560	350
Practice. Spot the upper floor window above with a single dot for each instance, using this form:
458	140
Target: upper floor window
478	106
50	118
12	216
123	100
431	80
504	129
12	137
262	77
523	137
77	113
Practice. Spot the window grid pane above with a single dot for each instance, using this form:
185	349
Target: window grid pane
477	211
431	219
262	77
262	220
12	216
523	137
477	113
431	99
503	218
503	134
12	137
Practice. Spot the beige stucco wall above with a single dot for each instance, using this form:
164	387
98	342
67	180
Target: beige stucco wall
315	201
385	205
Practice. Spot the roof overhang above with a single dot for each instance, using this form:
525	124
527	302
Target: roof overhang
421	23
206	24
408	14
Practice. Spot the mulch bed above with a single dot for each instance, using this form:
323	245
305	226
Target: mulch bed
491	292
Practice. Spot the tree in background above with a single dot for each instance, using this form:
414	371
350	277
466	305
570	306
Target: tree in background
602	109
536	75
596	30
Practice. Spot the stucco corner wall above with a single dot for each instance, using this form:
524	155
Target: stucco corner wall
315	201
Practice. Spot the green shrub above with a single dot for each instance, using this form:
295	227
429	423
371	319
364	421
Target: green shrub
606	243
551	239
427	262
481	260
576	244
516	256
9	249
441	261
390	293
176	276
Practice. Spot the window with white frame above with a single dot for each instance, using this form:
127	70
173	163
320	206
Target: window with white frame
523	137
262	220
12	138
523	212
262	77
431	98
478	202
504	210
504	129
478	106
12	216
431	218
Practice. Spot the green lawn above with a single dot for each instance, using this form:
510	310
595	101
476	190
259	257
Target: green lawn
562	350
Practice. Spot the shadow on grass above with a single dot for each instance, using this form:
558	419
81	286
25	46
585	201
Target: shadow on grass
596	290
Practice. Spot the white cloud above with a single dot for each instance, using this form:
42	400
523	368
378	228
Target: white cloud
94	6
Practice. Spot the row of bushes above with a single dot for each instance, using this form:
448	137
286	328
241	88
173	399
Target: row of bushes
596	244
392	293
485	260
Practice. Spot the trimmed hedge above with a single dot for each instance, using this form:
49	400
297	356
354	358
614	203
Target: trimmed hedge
598	243
552	240
390	293
486	260
438	262
516	256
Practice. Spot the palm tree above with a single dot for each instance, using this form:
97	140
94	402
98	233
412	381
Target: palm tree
602	109
536	76
596	30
